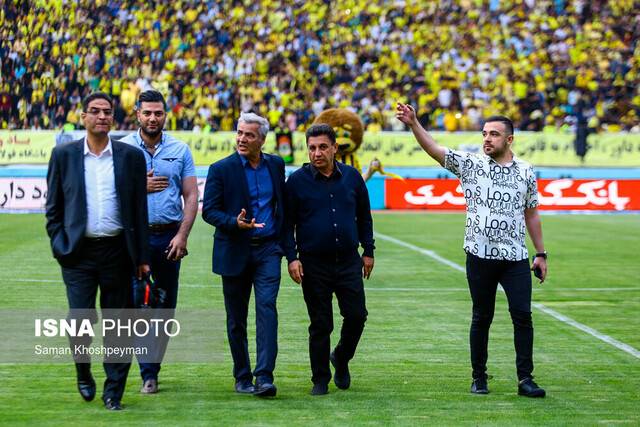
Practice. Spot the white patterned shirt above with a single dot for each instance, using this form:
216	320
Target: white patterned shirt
496	197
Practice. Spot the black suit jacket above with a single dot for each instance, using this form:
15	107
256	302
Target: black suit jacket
66	208
226	192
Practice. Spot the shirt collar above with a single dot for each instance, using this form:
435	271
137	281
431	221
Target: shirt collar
514	159
141	141
108	149
244	160
336	170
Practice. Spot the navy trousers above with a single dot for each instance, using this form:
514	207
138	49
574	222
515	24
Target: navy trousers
165	274
262	273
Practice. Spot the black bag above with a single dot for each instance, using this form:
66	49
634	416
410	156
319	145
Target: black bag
146	294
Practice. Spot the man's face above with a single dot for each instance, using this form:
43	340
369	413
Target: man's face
248	140
495	140
151	117
321	152
98	118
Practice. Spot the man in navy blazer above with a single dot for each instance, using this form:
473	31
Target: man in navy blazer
97	222
244	199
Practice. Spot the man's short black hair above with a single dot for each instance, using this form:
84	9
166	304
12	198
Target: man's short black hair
151	96
320	129
507	122
93	96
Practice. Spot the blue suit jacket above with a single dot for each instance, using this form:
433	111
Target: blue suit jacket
226	193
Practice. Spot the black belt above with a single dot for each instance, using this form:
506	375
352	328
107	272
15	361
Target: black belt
103	239
159	228
257	241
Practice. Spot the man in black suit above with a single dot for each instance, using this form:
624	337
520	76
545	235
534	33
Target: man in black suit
247	252
328	216
97	221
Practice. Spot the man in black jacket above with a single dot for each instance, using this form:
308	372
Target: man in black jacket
328	210
97	221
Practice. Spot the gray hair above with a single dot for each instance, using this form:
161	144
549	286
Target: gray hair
259	120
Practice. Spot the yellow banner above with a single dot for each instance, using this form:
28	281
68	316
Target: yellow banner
26	147
392	148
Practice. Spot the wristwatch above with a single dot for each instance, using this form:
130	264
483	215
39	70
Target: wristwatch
542	254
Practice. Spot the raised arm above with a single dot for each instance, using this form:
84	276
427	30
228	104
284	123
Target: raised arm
407	115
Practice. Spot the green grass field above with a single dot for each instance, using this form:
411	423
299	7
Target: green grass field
412	364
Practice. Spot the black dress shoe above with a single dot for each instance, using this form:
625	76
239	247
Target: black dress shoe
112	405
528	388
265	389
479	386
319	389
245	387
341	376
86	384
87	388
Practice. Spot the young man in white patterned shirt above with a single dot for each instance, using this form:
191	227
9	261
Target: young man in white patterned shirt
502	198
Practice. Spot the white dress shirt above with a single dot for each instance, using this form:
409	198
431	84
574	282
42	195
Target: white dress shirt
103	211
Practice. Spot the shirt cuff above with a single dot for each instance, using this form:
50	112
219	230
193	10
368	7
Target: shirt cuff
291	256
368	251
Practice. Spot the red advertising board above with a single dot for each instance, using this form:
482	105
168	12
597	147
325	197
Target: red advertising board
553	194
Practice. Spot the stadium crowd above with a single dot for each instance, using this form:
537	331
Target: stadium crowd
548	64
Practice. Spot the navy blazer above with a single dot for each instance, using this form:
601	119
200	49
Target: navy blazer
226	193
66	207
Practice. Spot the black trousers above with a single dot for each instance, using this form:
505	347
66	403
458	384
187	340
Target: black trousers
324	276
483	276
103	264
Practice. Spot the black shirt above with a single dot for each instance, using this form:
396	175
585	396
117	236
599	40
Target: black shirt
330	215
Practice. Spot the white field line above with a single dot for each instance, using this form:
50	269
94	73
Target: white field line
606	338
584	328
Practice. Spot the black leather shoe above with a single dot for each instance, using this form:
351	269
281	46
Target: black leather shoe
245	387
87	387
528	388
265	389
319	389
86	384
341	376
479	386
112	405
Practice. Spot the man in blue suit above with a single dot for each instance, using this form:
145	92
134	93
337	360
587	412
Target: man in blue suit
244	199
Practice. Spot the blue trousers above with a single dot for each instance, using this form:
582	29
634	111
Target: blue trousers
263	274
165	274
